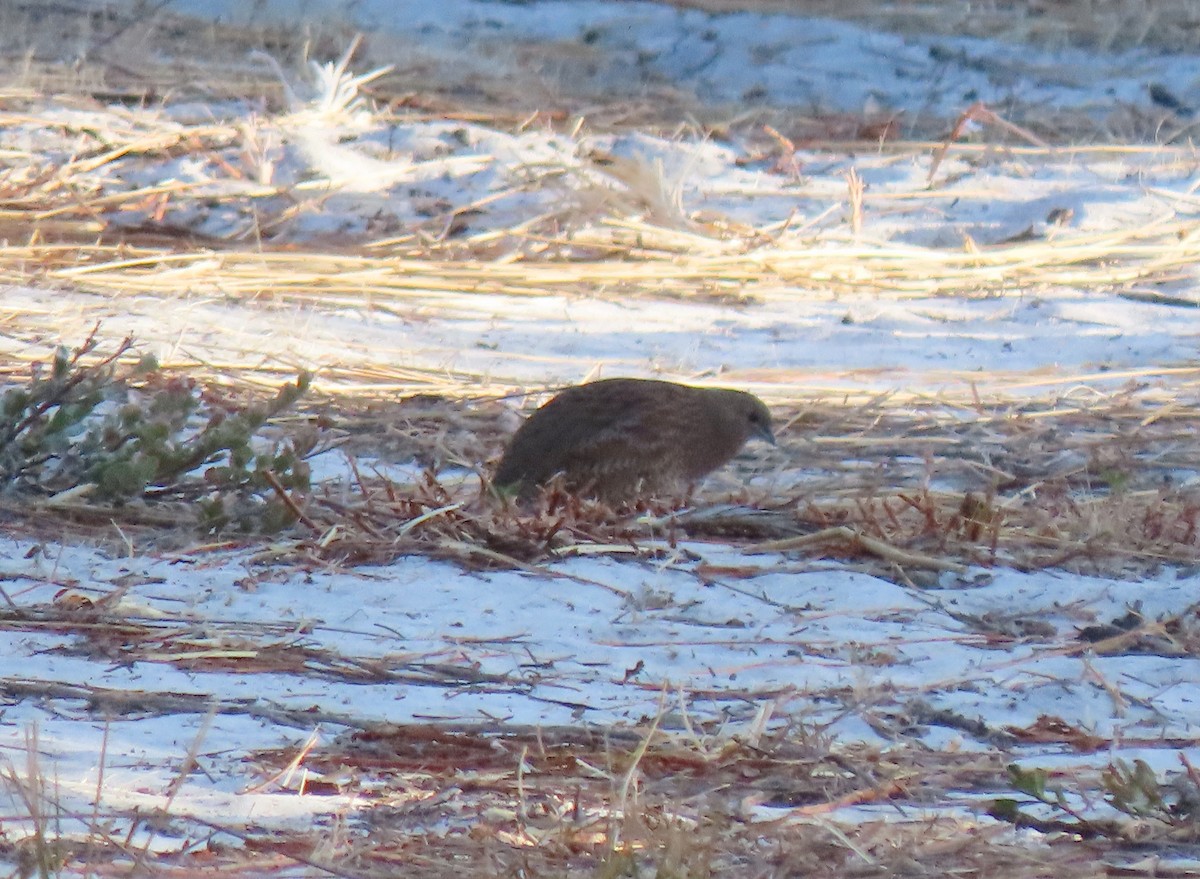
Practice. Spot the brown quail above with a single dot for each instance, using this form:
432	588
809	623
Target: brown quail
624	438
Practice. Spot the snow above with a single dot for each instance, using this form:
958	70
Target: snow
769	60
600	641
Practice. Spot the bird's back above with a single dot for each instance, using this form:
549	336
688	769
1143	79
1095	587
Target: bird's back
608	433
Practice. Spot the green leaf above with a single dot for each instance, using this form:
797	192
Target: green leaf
1028	781
146	364
62	363
15	402
1005	809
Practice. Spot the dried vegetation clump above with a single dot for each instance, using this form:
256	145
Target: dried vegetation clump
564	801
574	802
912	488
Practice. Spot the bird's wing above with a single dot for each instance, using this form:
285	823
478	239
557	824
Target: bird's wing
574	430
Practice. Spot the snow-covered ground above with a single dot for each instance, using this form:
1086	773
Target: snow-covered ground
599	641
747	59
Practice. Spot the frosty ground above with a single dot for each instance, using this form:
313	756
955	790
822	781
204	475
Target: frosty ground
1009	277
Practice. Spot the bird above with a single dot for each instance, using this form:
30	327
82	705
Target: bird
621	439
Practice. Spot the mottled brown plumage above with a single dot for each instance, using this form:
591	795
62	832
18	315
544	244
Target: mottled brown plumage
622	438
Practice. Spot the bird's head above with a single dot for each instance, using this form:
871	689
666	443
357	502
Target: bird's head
743	416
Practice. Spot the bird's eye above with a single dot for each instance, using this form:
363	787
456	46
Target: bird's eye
754	419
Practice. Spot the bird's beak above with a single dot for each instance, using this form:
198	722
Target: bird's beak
764	433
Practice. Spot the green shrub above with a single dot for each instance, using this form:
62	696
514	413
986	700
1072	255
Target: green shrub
118	433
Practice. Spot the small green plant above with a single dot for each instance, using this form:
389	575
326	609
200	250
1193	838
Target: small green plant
1134	792
115	433
1116	480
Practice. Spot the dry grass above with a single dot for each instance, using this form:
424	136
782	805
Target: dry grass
575	803
618	234
658	265
618	231
1100	24
571	802
909	487
68	227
